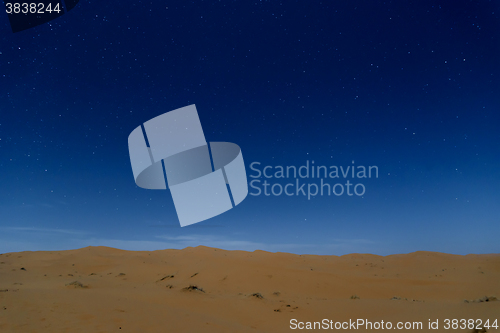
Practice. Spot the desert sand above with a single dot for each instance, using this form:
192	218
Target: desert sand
100	289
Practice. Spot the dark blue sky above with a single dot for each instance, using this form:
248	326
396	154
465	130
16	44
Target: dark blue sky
411	87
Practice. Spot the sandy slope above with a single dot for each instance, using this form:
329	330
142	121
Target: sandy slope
236	291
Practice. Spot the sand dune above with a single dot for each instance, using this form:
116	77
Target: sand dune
99	289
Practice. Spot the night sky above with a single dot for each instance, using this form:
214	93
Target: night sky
411	87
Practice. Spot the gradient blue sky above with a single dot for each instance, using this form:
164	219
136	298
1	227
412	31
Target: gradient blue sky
411	87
